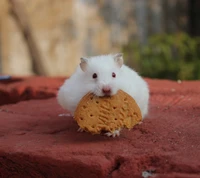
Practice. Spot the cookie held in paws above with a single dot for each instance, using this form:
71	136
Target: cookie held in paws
108	113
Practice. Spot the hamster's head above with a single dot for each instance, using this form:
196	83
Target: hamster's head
102	73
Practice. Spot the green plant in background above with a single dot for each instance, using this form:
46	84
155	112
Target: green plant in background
170	56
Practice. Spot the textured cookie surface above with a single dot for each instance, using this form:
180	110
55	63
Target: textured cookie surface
96	114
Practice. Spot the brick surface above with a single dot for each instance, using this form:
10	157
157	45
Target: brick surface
36	142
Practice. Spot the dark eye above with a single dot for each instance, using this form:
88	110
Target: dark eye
94	75
113	75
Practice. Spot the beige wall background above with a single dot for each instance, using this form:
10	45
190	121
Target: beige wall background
49	36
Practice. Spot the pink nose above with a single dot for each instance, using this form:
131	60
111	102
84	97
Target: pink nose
106	90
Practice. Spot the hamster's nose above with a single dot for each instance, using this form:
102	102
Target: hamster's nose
106	90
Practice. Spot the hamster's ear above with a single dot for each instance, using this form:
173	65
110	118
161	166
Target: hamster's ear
83	63
119	59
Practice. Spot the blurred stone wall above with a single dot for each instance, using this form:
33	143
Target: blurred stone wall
65	30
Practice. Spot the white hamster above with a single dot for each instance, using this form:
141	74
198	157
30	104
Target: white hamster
103	75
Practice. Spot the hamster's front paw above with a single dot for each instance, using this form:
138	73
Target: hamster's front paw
113	134
80	130
64	115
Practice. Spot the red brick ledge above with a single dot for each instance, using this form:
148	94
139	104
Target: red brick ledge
18	89
36	142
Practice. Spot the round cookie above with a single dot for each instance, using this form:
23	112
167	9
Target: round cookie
108	113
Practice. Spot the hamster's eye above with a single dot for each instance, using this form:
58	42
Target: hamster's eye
94	75
113	75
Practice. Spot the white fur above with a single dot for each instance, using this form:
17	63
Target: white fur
115	133
80	83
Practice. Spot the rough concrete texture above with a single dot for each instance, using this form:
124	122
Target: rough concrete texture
36	142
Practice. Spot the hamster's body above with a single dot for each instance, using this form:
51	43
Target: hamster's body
135	86
103	75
